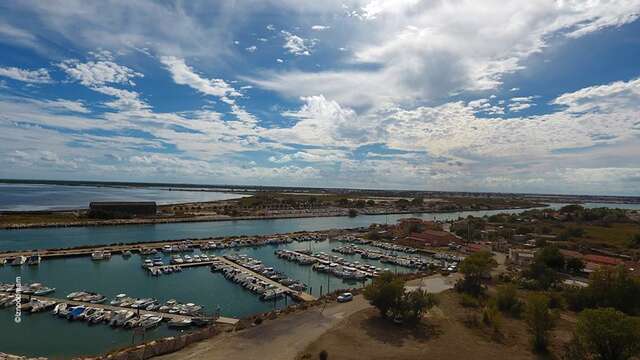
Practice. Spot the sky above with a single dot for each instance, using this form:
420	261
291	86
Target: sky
500	96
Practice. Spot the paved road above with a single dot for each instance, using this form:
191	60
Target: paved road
279	339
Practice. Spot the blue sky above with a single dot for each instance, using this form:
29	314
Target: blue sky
542	96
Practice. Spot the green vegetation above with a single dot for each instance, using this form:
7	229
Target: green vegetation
608	287
388	295
507	300
605	334
545	267
539	321
475	268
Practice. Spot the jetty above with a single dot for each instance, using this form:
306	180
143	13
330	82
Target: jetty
165	316
298	295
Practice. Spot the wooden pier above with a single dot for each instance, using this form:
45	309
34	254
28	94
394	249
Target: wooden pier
165	316
299	295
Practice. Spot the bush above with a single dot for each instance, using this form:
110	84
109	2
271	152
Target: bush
324	355
469	301
507	300
491	317
607	334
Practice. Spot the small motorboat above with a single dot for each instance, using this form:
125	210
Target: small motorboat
44	291
75	312
19	261
179	324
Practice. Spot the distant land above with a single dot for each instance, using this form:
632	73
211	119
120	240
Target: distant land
251	188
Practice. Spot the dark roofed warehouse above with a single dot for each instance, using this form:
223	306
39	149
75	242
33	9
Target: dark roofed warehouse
123	208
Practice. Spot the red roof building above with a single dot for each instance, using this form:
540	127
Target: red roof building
431	238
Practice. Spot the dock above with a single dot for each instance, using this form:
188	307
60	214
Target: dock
368	273
298	295
165	316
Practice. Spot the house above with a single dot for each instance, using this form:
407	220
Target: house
521	257
474	248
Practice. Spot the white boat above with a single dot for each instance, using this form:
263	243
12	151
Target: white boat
19	260
97	255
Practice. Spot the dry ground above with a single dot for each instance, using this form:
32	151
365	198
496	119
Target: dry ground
364	335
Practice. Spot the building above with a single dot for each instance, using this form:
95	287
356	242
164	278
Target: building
113	209
432	238
475	247
521	257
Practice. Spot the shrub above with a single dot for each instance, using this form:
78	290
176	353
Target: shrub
539	321
469	301
607	334
507	300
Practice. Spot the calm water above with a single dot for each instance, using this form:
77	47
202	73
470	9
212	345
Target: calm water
26	239
59	338
28	197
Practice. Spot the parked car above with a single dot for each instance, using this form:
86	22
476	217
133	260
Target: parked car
345	297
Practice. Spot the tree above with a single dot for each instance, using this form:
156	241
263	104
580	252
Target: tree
416	303
353	213
551	257
575	265
539	321
475	268
608	334
385	292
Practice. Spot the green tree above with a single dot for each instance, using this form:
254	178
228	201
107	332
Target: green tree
353	212
475	268
385	292
608	334
539	321
416	303
575	265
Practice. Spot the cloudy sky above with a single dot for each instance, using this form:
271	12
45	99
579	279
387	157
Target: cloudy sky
509	96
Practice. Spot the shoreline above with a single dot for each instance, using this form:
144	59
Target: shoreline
216	218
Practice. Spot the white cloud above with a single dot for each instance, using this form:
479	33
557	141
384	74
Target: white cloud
183	74
320	27
271	27
39	76
296	45
425	51
98	73
252	49
279	60
68	105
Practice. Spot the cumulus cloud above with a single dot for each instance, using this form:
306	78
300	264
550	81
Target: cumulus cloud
320	27
297	45
39	76
98	73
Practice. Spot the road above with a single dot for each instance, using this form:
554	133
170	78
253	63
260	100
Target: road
278	339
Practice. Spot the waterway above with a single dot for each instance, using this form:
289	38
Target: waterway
43	238
45	335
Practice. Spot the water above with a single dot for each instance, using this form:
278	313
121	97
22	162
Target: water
59	338
45	335
27	197
26	239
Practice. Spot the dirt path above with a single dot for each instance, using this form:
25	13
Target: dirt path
279	339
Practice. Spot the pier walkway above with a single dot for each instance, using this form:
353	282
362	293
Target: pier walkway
299	295
166	316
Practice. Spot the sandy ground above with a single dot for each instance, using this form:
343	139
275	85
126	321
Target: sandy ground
444	335
279	339
287	337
